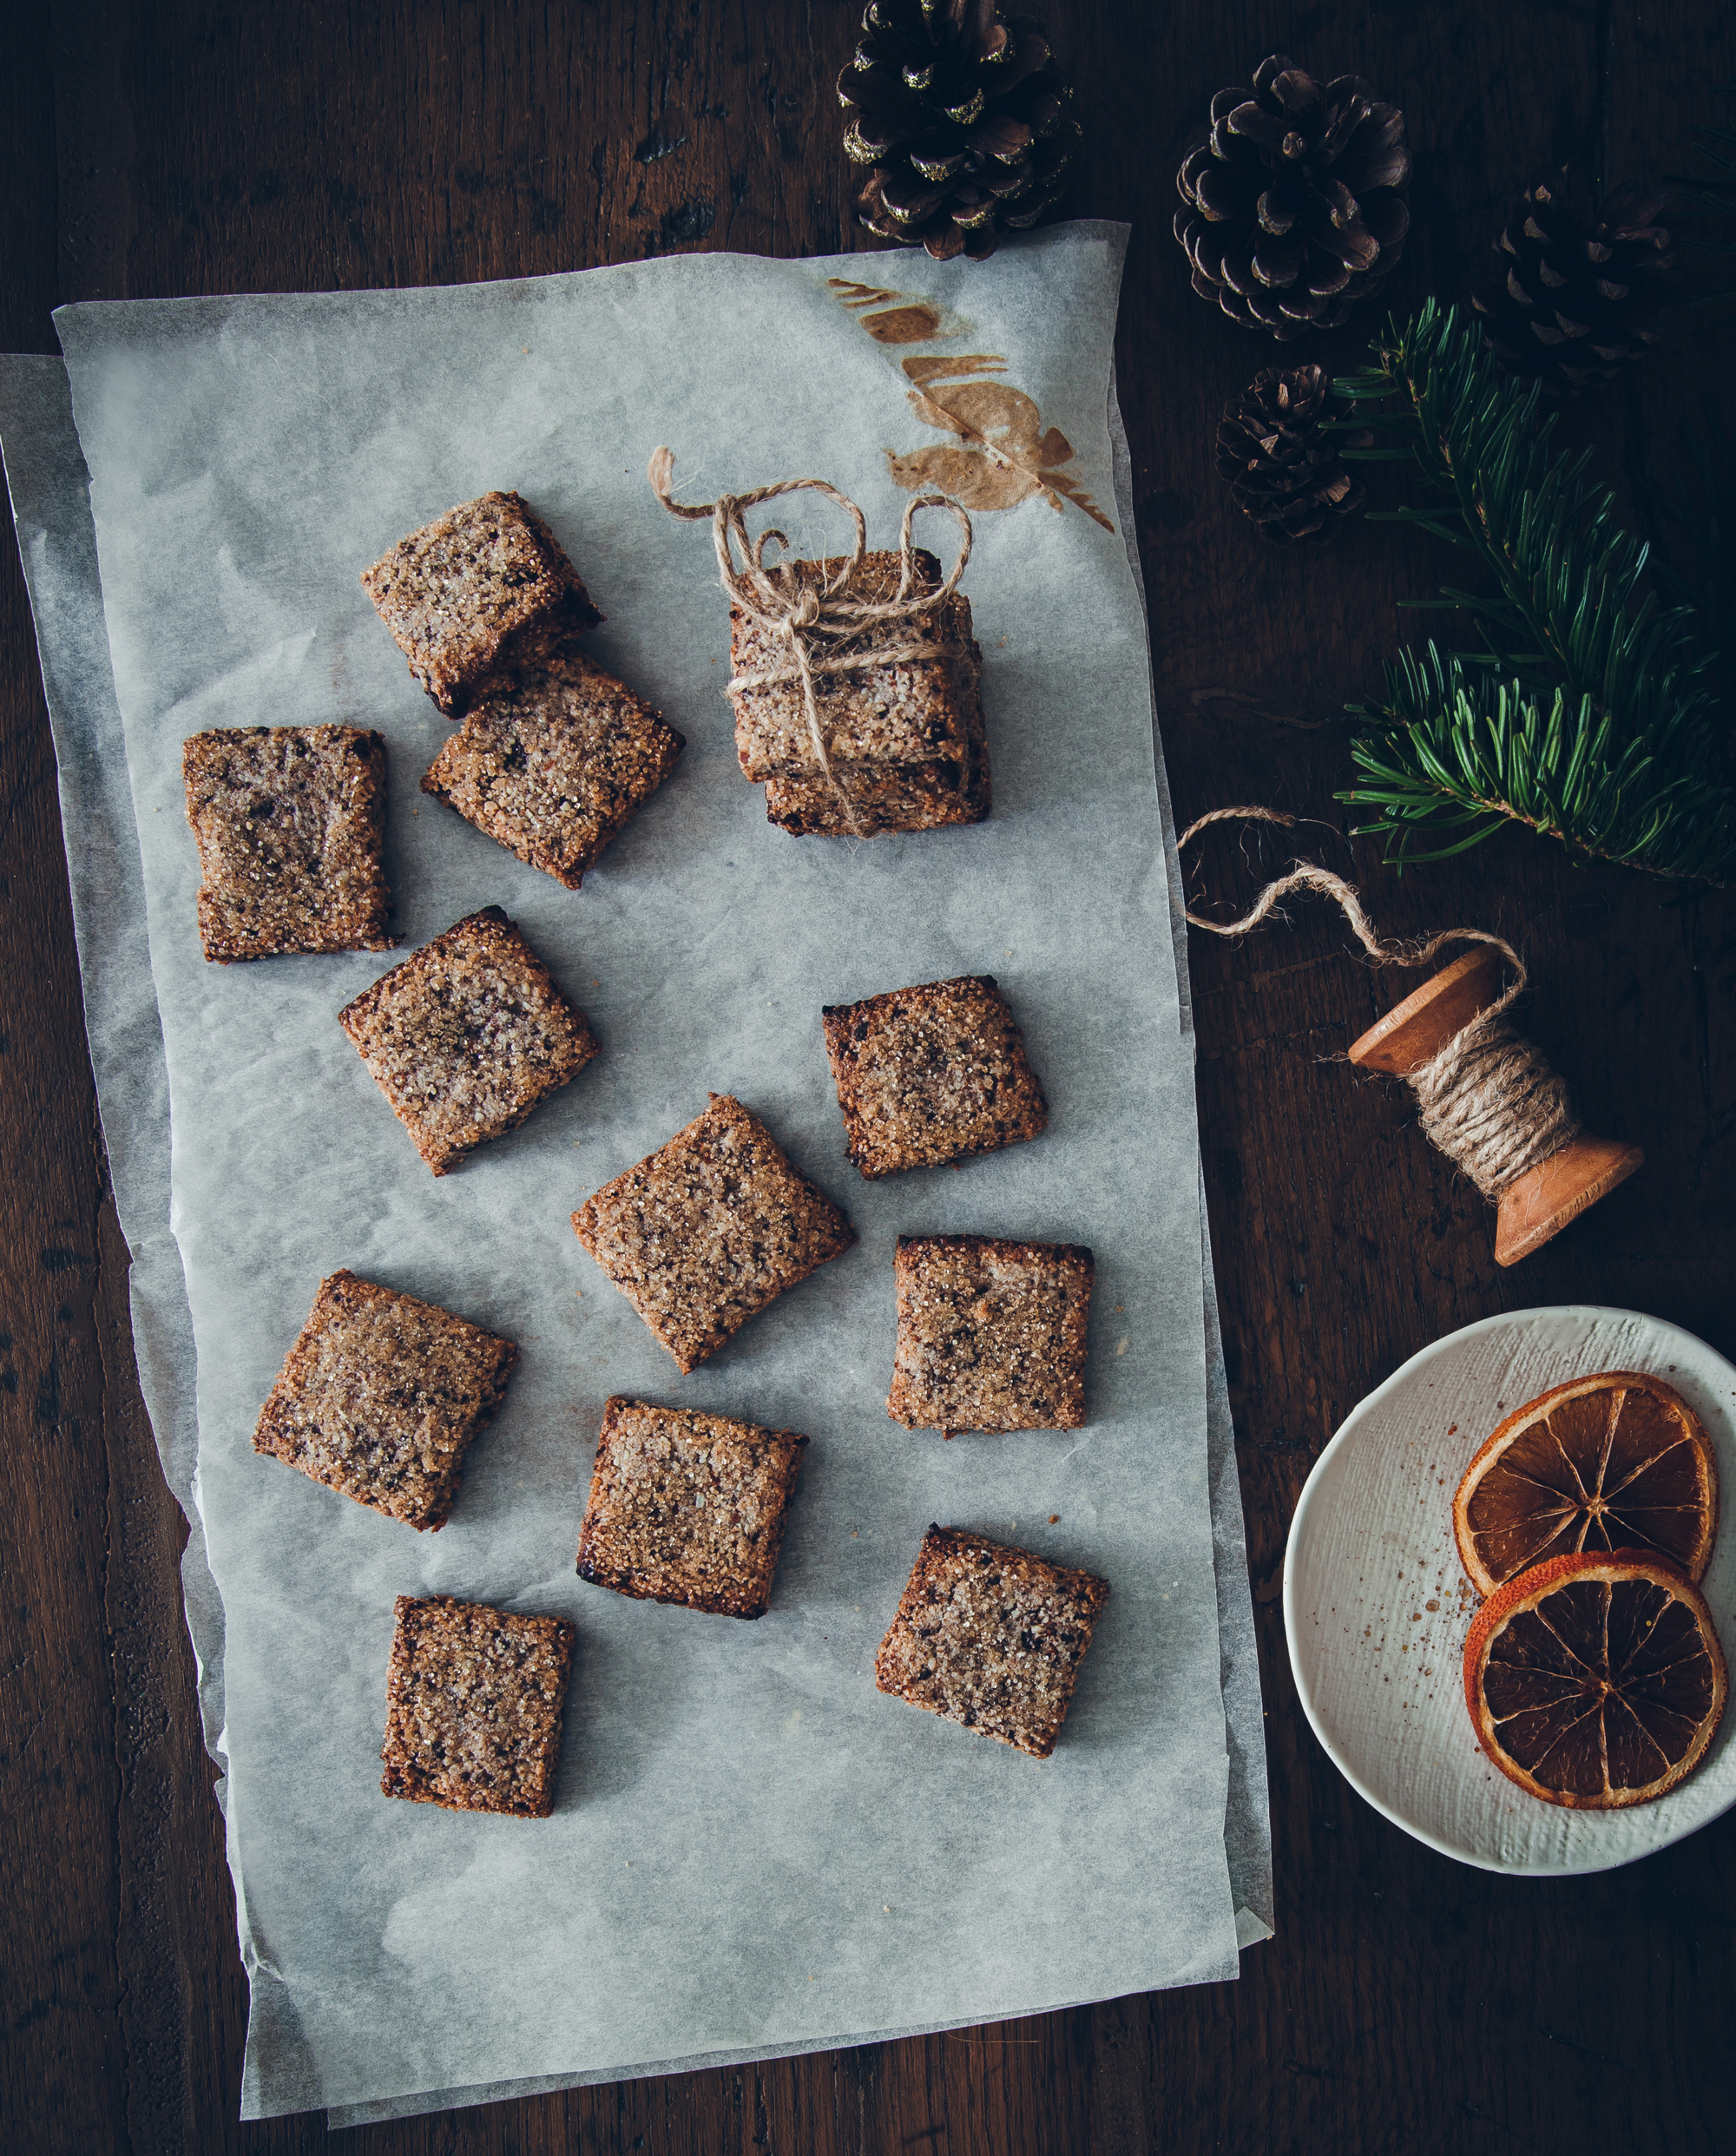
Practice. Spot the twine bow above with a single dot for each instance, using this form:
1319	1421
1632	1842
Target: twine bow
1487	1099
824	629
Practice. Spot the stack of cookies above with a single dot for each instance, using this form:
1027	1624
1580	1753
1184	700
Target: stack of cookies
905	736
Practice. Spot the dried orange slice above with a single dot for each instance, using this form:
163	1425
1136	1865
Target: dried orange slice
1596	1681
1615	1461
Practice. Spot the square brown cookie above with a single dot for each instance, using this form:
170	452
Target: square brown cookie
991	1636
467	1035
290	823
688	1507
991	1334
905	712
931	1074
554	767
478	594
926	796
709	1229
473	1704
381	1396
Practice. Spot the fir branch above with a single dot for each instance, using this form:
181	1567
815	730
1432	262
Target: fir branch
1583	712
1462	752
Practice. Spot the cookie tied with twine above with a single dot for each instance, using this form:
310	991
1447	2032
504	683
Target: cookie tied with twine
1486	1097
855	692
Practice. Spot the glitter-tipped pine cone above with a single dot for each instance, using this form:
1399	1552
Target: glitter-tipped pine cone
964	117
1293	208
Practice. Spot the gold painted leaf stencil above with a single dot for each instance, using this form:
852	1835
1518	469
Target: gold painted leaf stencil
1002	454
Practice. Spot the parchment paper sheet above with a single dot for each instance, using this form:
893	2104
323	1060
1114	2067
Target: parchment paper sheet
753	1852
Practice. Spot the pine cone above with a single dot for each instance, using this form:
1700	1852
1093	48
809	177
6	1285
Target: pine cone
1569	301
964	117
1295	204
1283	467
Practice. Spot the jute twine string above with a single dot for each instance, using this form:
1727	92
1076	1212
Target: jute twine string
1487	1099
824	629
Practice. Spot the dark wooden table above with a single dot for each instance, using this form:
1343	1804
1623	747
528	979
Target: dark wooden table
1407	2004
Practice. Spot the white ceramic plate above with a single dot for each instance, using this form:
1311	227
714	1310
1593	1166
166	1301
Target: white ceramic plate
1376	1606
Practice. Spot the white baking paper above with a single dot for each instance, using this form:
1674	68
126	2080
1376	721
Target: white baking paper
753	1850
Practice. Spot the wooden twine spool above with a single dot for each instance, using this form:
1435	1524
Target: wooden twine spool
1543	1201
1487	1099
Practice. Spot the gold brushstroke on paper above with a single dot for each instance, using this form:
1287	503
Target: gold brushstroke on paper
1002	454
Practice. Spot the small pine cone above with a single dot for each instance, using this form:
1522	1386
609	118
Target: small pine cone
1295	205
963	115
1283	467
1569	301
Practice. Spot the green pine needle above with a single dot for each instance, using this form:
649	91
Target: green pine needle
1585	714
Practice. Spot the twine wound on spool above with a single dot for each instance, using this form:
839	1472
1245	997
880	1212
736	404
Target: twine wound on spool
825	630
1488	1100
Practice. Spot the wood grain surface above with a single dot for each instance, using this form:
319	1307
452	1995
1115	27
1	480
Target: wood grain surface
1407	2004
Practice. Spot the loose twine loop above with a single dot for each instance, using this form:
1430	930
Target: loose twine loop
823	629
1488	1098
